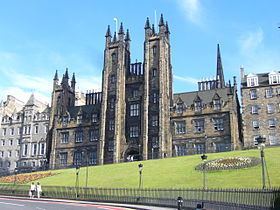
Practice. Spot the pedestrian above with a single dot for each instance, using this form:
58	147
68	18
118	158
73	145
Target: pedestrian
32	190
38	190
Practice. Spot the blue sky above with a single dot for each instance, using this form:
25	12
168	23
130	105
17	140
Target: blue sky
39	36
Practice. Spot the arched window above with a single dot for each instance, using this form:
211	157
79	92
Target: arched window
154	50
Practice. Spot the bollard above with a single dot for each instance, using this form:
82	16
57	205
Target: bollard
180	202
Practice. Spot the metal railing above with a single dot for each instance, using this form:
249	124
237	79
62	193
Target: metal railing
211	198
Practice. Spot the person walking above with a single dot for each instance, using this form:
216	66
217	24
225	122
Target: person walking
32	190
38	190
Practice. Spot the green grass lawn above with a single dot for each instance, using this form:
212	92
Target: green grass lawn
177	172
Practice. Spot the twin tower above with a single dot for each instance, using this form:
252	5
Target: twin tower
133	109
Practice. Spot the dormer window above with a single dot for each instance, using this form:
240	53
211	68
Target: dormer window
180	108
252	80
94	118
217	104
274	78
197	106
79	119
65	120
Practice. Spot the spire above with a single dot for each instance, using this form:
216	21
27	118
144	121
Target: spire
161	21
147	25
220	73
167	28
66	74
73	81
115	37
108	33
55	76
121	29
153	29
127	36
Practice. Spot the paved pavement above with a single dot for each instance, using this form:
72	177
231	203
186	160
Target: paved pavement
20	203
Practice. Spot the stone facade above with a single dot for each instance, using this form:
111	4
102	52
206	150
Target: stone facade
261	107
24	129
133	118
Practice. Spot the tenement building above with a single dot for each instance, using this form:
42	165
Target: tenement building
207	120
261	107
134	116
24	129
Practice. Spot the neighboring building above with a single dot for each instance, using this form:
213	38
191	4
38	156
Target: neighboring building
23	134
207	120
134	117
261	107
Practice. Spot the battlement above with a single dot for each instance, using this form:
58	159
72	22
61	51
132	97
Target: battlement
93	98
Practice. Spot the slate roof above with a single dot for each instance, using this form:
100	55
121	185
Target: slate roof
85	109
263	79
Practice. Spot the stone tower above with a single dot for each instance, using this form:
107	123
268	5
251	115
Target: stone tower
116	62
157	140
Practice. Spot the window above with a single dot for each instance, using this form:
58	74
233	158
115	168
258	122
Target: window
92	158
36	129
46	128
134	109
272	139
18	141
154	72
199	125
8	164
10	154
19	130
111	146
113	79
270	108
78	136
65	120
154	120
135	93
17	153
78	157
34	149
11	142
112	103
271	123
217	104
64	137
181	150
252	80
200	148
134	131
253	94
3	142
218	124
114	57
154	50
155	143
111	125
26	129
180	127
254	109
94	135
79	119
197	106
12	131
180	108
274	77
268	93
4	131
63	158
255	124
25	149
42	148
155	98
1	153
94	118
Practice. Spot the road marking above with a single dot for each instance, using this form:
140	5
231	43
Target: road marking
13	204
40	208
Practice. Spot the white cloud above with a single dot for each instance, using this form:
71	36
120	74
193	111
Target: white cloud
89	83
189	80
251	41
192	10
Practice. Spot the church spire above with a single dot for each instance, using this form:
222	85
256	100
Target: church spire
127	36
220	72
108	32
55	76
147	25
121	29
66	74
161	21
115	37
153	29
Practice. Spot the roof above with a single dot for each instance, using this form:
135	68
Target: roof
206	96
263	78
85	110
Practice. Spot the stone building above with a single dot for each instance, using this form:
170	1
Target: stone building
23	134
207	120
133	118
260	107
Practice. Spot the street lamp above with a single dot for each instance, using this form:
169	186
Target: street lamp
86	153
140	167
77	180
204	158
261	146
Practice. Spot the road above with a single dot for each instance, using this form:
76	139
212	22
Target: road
34	204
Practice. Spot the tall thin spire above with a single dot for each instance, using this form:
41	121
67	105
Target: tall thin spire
108	33
55	76
220	72
66	74
127	36
115	37
167	28
161	21
153	29
147	25
121	29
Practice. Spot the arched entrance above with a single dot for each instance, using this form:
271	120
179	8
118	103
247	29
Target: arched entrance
132	154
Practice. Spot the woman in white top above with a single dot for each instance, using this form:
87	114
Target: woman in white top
38	189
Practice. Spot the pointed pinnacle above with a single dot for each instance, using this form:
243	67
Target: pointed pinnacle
55	76
115	37
161	22
66	74
121	29
167	28
153	29
147	25
127	36
73	78
108	33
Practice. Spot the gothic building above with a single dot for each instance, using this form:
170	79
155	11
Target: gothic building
260	107
134	117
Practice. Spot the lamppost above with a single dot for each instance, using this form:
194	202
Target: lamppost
77	180
140	167
15	176
204	158
86	168
261	146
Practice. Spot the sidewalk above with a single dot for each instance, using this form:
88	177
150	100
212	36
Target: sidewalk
132	206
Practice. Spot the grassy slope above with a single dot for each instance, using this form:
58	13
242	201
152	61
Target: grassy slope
173	173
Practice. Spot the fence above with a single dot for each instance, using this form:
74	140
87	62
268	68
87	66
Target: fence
211	198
